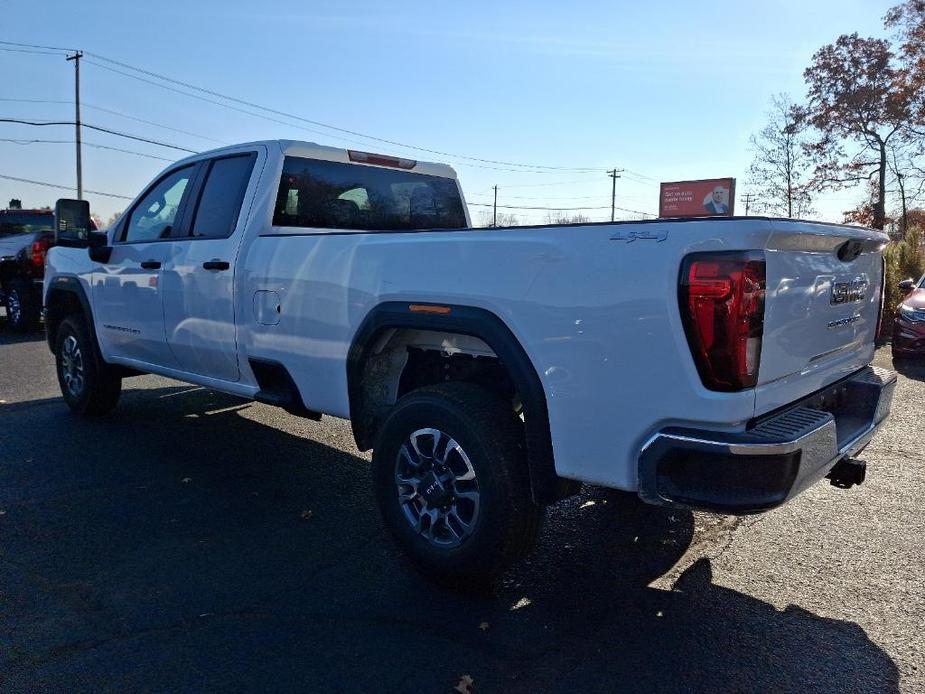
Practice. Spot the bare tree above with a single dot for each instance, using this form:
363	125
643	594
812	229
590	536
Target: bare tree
780	173
486	219
560	217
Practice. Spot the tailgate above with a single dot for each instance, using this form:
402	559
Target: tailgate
822	307
10	246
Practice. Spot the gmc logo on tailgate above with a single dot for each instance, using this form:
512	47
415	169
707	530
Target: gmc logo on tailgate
849	292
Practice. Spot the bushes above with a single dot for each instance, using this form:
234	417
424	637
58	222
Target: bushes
904	259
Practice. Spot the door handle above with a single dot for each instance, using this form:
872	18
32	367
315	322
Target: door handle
151	264
216	265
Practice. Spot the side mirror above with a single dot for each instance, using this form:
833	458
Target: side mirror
98	248
72	223
906	286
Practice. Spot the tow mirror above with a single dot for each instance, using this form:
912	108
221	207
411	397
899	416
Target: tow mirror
906	286
72	223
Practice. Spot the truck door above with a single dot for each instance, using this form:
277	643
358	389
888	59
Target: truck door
199	310
127	290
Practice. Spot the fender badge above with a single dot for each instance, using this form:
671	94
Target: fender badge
631	235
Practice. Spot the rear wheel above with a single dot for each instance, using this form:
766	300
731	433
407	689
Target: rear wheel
452	484
22	307
88	384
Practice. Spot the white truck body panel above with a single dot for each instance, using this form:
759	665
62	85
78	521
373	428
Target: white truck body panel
595	307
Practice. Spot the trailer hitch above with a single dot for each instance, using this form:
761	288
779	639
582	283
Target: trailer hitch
847	473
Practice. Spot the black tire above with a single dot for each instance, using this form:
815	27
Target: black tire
100	384
23	307
506	520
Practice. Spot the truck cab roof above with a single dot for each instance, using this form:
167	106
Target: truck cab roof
312	150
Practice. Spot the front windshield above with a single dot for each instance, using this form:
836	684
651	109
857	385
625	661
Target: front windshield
12	223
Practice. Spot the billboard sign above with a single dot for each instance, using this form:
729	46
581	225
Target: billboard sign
712	197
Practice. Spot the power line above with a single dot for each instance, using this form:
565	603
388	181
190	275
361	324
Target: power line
27	50
528	207
548	197
643	178
551	183
314	131
347	131
115	113
156	125
32	45
36	101
295	125
523	167
216	103
55	185
560	209
100	129
33	142
88	144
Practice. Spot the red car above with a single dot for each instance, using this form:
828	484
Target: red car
909	323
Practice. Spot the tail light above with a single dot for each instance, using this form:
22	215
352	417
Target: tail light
722	306
39	250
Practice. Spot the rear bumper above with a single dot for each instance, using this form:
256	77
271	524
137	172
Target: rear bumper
774	460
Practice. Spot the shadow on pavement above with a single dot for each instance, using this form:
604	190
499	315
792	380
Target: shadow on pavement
8	336
180	545
911	367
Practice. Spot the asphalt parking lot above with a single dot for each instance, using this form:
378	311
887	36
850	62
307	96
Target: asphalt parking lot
193	541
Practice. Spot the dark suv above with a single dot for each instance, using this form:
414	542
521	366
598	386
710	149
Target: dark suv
25	236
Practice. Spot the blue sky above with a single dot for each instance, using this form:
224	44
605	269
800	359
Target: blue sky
666	90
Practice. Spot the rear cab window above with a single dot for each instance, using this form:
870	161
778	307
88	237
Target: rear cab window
334	195
23	222
220	201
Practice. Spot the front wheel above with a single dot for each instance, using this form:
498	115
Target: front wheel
88	384
452	484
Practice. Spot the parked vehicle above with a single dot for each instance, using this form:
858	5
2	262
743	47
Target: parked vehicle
705	363
25	237
909	321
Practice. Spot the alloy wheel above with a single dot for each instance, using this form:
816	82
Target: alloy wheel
72	366
437	487
13	306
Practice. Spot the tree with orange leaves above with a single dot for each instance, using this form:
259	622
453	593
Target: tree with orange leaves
862	104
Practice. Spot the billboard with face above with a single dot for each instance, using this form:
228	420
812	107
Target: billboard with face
712	197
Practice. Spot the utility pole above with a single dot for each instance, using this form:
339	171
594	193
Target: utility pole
614	174
494	214
80	182
748	202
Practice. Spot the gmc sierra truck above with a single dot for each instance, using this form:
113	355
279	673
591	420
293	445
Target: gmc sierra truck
716	364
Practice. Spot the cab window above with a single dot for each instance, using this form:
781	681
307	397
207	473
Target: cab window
336	195
220	202
154	217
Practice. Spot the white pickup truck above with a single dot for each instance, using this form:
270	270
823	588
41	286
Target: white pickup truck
708	363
